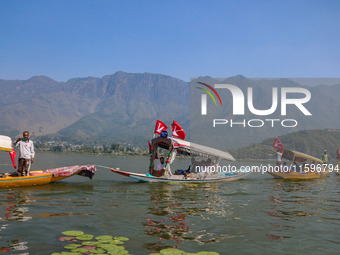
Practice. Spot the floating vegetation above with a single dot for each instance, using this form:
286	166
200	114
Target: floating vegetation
85	237
106	244
73	233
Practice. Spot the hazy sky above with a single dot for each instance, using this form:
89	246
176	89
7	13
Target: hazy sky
185	39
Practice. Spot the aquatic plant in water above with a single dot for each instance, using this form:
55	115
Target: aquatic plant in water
106	244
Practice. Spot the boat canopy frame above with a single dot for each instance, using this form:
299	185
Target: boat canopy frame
299	157
174	145
5	143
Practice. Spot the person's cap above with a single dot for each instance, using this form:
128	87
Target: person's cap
325	150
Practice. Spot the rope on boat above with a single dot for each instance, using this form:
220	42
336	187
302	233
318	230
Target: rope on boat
104	167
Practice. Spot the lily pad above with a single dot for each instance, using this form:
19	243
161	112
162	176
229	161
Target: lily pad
81	250
72	246
122	252
89	247
73	233
91	243
104	237
66	238
107	246
70	253
207	253
85	237
117	242
171	251
98	250
121	238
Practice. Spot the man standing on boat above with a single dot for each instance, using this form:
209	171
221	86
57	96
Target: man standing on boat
26	153
324	157
278	157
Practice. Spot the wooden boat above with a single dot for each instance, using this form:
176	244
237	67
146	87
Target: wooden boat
301	167
201	171
47	176
40	177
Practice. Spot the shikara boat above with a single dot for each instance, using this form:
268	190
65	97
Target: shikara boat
207	170
47	176
300	167
40	177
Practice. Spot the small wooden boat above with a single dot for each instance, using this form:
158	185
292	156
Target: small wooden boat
301	167
40	177
206	170
47	176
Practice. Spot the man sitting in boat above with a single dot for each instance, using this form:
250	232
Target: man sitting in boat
296	167
205	167
161	164
186	173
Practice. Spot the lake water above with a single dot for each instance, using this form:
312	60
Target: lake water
257	215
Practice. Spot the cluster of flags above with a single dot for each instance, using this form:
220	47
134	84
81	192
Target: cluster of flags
177	130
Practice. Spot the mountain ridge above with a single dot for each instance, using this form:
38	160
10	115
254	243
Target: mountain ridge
123	107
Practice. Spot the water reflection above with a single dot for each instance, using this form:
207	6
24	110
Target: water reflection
175	210
291	201
14	204
36	202
15	245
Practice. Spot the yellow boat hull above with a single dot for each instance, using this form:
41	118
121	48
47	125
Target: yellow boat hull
299	176
12	182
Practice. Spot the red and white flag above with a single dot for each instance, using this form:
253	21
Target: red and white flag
160	126
177	130
337	154
13	154
277	144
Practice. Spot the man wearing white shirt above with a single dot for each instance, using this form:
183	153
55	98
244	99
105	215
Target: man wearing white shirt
26	153
278	157
161	164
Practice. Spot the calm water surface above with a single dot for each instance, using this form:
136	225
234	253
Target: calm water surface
257	215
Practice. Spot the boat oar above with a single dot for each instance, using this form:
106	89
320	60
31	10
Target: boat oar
29	168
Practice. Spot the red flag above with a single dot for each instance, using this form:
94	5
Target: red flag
160	126
177	130
13	154
277	144
337	154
